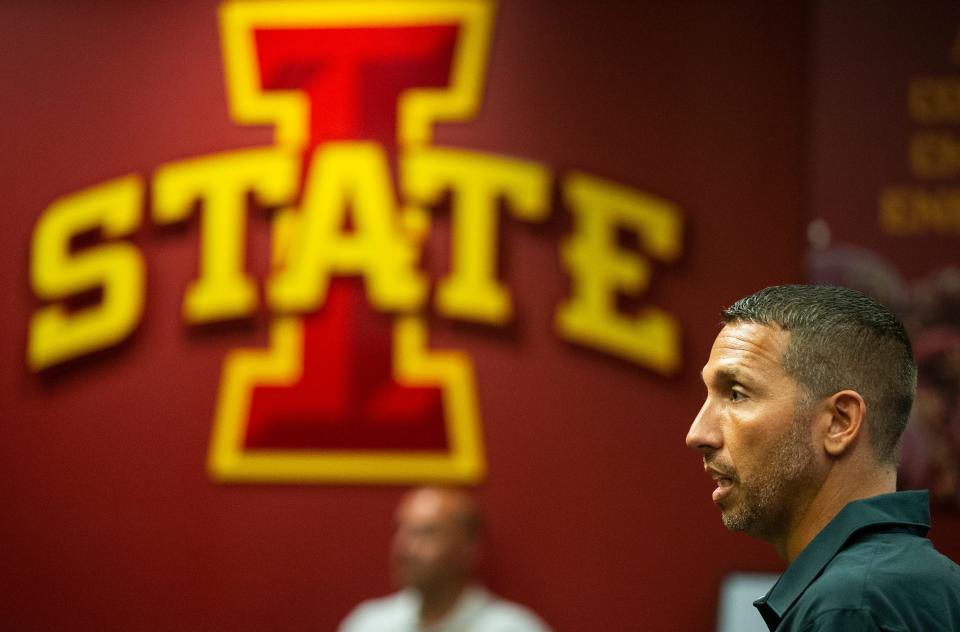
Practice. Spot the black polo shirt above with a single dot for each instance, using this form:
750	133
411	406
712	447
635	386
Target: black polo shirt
870	568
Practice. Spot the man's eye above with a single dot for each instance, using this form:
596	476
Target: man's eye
735	395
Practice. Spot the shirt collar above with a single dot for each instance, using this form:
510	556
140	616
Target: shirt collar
467	608
904	509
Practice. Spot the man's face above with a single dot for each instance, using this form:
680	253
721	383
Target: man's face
431	546
756	443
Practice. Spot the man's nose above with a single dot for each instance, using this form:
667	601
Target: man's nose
704	433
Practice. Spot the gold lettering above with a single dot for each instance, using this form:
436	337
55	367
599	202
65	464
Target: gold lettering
934	155
934	100
919	210
223	290
56	273
349	177
477	181
599	270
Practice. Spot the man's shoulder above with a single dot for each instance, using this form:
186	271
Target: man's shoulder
888	560
894	576
893	559
382	613
501	614
479	609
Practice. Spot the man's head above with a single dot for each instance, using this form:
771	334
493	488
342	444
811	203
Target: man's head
797	377
436	541
841	339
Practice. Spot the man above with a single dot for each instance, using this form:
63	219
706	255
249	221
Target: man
808	391
434	554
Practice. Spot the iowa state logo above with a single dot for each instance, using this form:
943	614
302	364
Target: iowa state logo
348	388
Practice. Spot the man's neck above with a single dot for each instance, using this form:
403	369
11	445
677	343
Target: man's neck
831	498
437	602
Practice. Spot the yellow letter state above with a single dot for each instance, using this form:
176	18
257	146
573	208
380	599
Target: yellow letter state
599	270
349	180
57	273
478	181
223	290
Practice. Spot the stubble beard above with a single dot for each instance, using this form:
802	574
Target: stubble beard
765	501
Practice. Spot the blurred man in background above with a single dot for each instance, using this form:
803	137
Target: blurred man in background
434	555
809	389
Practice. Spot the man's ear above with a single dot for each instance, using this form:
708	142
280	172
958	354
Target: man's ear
848	414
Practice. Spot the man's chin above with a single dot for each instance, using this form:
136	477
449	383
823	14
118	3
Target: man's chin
405	579
734	520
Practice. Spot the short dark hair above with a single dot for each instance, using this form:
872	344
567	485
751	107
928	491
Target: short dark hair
841	339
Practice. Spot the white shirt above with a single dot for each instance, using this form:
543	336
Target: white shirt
477	610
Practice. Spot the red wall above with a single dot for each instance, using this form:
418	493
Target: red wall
600	517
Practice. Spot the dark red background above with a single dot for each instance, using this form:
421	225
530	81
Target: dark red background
600	518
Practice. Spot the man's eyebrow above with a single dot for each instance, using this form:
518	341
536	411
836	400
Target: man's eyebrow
724	375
